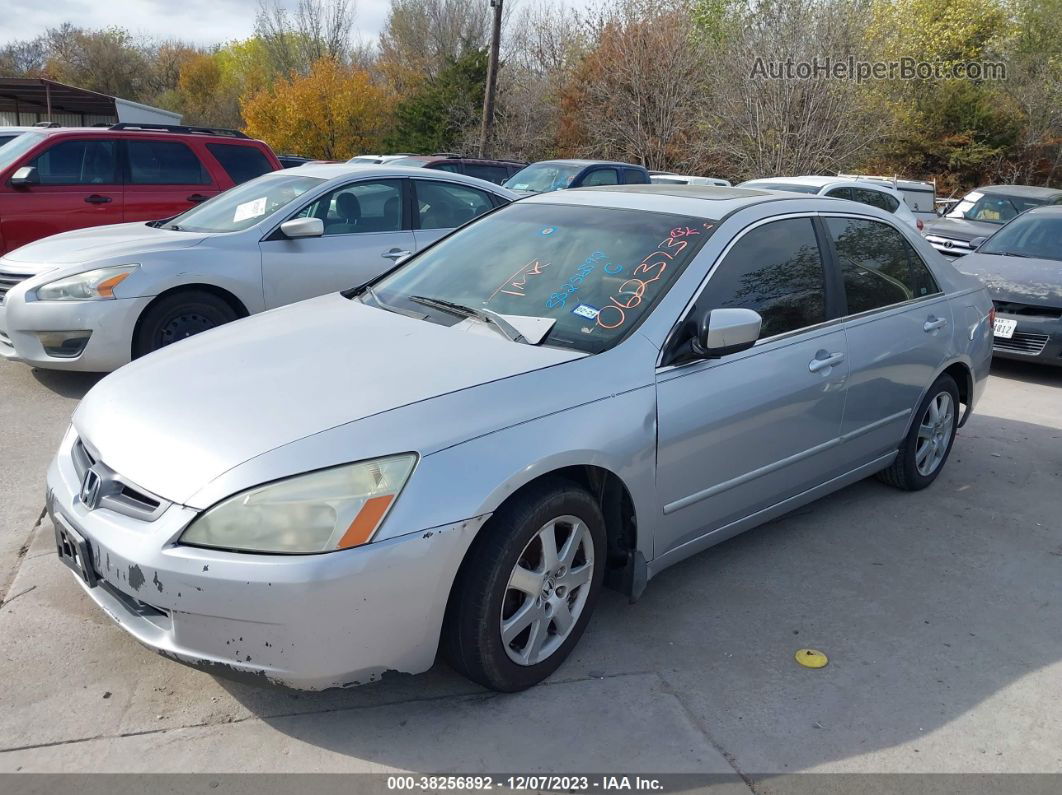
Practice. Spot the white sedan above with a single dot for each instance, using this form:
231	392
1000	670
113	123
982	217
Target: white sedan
863	191
93	299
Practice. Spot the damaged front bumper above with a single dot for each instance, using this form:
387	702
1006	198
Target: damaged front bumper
309	622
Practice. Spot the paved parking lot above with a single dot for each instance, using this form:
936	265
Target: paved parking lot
940	612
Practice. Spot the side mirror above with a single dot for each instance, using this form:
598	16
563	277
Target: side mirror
726	331
27	175
977	242
302	227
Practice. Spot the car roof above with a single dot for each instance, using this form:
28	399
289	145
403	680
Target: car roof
1029	191
330	171
576	162
1050	210
703	201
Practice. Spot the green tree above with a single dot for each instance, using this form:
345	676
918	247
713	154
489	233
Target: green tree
436	114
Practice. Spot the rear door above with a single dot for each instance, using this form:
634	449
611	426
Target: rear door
163	177
606	175
744	432
79	185
898	324
239	163
366	230
440	206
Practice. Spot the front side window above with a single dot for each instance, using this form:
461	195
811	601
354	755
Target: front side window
244	206
880	268
601	176
1038	236
544	177
992	208
78	163
164	163
241	163
370	206
596	272
775	269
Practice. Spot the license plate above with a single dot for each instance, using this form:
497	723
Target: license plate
75	552
1005	328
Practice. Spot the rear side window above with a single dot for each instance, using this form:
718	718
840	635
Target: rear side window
875	198
241	163
776	270
842	193
632	176
880	268
495	174
445	205
78	163
164	163
601	176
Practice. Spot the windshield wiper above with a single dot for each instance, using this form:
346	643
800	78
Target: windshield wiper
366	290
491	318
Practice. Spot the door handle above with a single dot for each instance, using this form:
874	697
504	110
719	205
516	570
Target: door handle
821	364
396	254
197	197
95	198
933	323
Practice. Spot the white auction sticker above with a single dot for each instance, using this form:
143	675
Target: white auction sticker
251	209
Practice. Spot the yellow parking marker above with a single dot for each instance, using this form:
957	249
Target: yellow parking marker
811	658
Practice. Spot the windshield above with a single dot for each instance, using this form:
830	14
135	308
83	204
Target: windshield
245	205
544	177
596	272
993	208
1037	236
787	186
17	146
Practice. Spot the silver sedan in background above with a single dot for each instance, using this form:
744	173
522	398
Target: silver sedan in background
584	387
93	299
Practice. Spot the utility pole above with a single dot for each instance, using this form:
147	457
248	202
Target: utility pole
492	80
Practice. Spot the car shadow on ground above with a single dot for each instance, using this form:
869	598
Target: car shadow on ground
1028	372
67	384
928	604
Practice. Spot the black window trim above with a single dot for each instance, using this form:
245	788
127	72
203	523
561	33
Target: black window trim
828	239
832	277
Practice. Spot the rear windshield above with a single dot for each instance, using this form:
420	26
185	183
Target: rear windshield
596	272
543	177
993	208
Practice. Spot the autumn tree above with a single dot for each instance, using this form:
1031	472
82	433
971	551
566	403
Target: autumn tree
332	113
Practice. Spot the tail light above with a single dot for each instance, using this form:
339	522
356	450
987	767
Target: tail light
992	317
919	224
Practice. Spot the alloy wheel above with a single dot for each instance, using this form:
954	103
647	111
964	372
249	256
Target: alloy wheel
934	434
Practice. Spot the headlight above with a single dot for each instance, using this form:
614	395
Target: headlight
88	286
331	509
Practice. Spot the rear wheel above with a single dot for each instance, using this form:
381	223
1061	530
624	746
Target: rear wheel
179	316
928	444
526	590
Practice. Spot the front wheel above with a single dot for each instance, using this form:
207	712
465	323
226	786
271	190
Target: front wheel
928	444
178	316
526	590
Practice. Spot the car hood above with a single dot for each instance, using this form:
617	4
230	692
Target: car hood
960	228
178	418
119	241
1018	279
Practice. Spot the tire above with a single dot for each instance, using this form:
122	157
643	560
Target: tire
483	599
178	316
911	471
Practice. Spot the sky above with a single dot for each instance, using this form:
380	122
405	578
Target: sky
198	21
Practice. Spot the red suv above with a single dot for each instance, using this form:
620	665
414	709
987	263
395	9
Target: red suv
55	180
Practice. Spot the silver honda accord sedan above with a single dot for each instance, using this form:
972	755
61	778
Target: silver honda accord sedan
576	390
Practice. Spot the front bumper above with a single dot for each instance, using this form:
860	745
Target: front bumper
1036	339
309	622
111	323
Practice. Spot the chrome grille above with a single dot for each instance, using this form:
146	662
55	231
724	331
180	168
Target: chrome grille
116	494
9	280
1022	342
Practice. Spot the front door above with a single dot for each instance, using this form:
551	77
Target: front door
79	185
365	233
741	433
